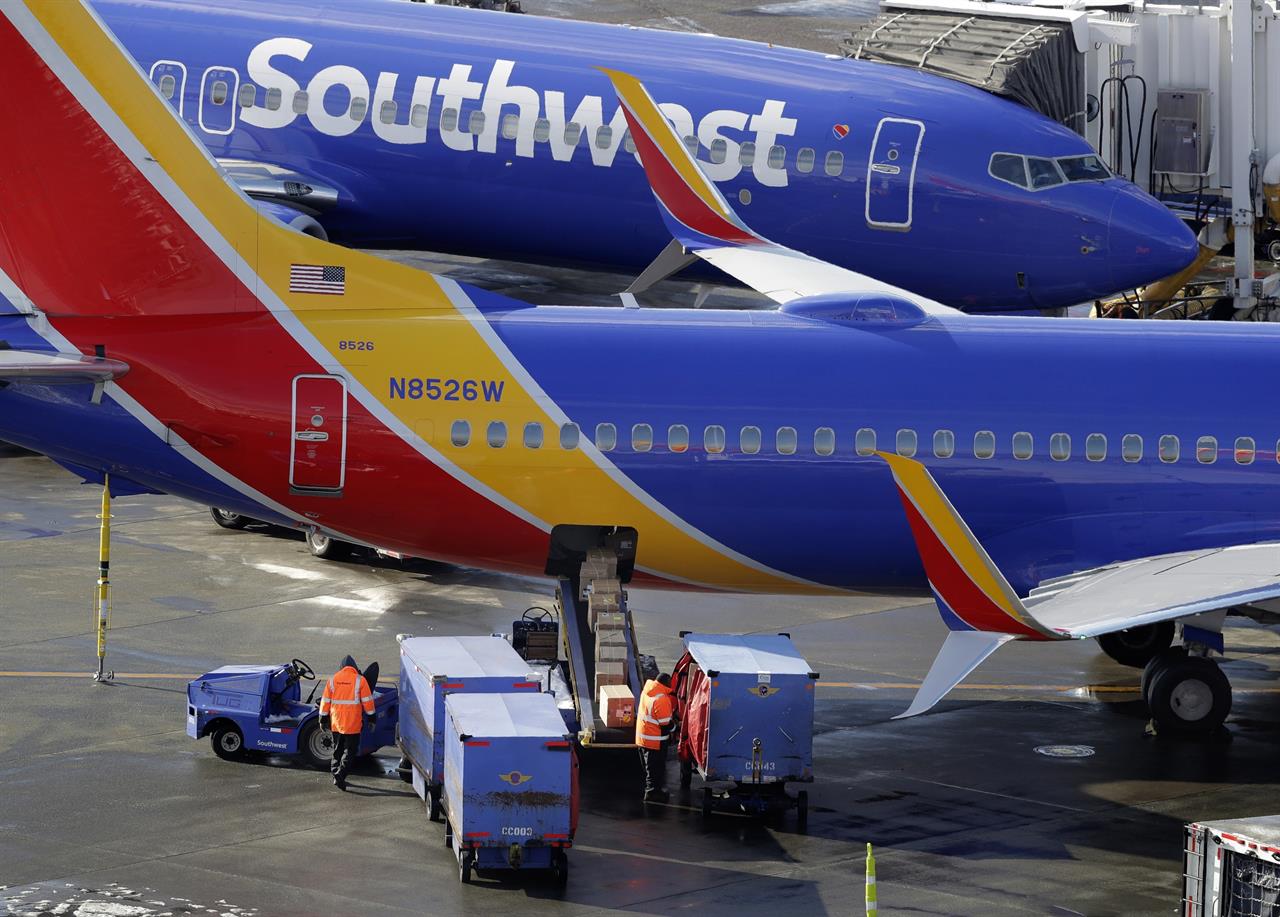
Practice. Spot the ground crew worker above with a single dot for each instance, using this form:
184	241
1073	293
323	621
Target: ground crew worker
654	721
346	704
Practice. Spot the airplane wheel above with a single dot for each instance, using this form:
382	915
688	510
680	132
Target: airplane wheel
1190	696
1137	646
326	548
228	519
1156	665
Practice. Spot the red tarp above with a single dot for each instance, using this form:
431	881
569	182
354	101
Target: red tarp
693	699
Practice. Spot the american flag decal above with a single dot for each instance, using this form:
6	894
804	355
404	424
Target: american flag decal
317	278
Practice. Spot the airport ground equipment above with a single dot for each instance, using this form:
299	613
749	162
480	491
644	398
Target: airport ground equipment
431	668
1231	867
102	592
745	705
510	783
247	709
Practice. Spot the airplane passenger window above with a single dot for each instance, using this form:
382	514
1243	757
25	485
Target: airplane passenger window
864	441
358	108
168	86
713	439
1060	447
1168	449
1023	446
300	102
1095	447
824	441
606	437
572	133
1044	174
569	436
274	99
786	440
719	150
533	435
804	159
749	440
747	153
218	93
1083	168
449	119
496	434
541	130
984	444
1207	450
248	95
1131	447
627	143
835	163
1008	167
777	156
906	443
510	125
691	144
475	123
944	444
460	433
678	437
387	112
418	115
604	136
642	437
1245	450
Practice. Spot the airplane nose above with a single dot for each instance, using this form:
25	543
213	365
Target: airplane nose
1146	241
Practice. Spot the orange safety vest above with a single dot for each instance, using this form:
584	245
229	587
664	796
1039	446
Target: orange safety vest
346	694
653	719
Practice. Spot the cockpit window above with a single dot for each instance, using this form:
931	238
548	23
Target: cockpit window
1083	168
1010	168
1044	174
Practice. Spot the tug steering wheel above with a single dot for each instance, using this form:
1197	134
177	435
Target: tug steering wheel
301	670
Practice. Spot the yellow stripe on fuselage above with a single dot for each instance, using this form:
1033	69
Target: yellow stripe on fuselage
416	332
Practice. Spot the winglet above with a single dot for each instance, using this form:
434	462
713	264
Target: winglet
961	653
694	209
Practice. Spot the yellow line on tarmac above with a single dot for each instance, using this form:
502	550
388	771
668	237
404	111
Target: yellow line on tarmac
88	674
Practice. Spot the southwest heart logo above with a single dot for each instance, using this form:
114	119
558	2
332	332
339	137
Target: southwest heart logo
515	778
840	131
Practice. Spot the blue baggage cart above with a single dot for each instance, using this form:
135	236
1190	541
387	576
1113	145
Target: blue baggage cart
510	784
746	721
431	668
259	708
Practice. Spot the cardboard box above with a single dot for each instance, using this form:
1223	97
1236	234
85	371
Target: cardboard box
611	652
610	621
598	605
610	673
610	585
617	706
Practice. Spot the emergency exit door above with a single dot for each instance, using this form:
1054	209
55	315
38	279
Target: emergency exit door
170	77
318	444
891	173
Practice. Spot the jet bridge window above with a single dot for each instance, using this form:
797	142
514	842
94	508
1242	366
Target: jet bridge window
835	163
604	137
359	107
1060	447
1023	446
1044	174
1169	449
1095	447
1245	450
168	86
777	156
460	433
719	150
1207	450
510	125
248	95
300	102
641	437
804	160
824	441
1131	447
864	441
606	437
786	441
906	443
747	153
944	444
275	98
569	436
475	123
533	435
749	440
1008	167
387	112
984	444
496	434
713	439
678	437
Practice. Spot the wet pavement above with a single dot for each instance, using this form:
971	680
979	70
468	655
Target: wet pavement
108	808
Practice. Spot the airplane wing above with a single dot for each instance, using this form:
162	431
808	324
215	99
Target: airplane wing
983	611
704	223
57	368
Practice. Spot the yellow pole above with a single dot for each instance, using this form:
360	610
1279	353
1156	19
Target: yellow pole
871	883
102	594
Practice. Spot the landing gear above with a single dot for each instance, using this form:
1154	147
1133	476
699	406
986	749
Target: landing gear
227	519
1187	695
322	546
1137	646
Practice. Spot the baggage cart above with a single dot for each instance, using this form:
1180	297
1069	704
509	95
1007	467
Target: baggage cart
431	668
510	784
745	705
1231	868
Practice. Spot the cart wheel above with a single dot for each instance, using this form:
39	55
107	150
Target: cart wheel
316	746
686	774
559	867
706	802
465	864
228	742
433	804
802	811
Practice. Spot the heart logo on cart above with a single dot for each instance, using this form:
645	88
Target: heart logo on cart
515	778
840	131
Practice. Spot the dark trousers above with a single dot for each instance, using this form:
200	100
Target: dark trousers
344	753
655	768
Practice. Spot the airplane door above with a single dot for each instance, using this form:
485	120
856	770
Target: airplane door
318	447
891	173
219	90
170	77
